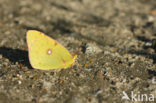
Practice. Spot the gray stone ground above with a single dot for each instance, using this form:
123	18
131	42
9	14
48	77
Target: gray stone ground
112	38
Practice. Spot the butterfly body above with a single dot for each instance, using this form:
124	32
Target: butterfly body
45	53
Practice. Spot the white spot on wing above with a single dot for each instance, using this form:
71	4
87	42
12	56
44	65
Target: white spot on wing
49	51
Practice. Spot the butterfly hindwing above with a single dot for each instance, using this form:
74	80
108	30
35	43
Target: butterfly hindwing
46	53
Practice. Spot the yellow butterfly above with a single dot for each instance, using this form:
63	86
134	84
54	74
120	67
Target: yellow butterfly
45	53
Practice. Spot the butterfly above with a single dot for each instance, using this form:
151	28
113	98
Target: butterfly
46	53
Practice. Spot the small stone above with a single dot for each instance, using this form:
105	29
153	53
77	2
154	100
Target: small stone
5	63
92	48
16	63
19	82
106	52
153	80
19	76
89	50
6	60
150	18
148	44
77	100
98	92
47	85
150	50
1	56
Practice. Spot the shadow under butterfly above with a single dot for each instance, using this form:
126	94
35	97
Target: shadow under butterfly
16	55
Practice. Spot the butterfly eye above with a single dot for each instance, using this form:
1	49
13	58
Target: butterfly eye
49	51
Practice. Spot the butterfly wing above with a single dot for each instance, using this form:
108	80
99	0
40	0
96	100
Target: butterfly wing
46	53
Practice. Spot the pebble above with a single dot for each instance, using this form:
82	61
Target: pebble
19	82
6	60
148	44
89	50
19	76
1	56
106	52
77	100
16	63
98	92
47	85
92	48
153	80
5	63
150	18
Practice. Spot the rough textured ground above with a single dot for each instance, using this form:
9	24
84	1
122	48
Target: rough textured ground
112	38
